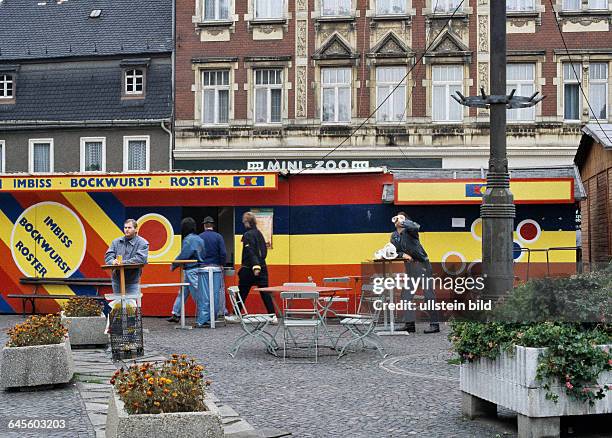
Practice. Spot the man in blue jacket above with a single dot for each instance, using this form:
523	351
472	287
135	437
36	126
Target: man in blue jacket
192	249
216	255
131	248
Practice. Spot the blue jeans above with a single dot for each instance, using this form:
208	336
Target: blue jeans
191	277
203	295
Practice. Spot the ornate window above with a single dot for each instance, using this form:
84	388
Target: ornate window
521	77
520	5
215	97
445	5
390	7
335	95
265	9
268	95
598	90
335	8
446	81
216	10
394	108
572	102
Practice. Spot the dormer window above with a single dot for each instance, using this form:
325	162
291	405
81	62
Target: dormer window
7	86
134	82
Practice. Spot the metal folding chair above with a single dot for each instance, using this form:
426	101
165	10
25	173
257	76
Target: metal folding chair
300	310
253	325
329	301
362	324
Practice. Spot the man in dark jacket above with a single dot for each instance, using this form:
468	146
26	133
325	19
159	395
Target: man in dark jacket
406	240
192	248
254	271
216	255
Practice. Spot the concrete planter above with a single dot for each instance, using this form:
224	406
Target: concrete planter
36	365
86	330
510	381
119	423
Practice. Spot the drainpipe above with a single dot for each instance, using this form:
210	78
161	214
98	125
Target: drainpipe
163	126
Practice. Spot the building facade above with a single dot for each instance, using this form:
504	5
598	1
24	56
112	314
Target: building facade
85	88
340	83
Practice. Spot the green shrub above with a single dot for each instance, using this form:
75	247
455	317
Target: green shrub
568	316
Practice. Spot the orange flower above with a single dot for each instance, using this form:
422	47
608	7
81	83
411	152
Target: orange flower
149	393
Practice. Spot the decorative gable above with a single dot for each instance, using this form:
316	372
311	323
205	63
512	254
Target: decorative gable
335	48
390	47
448	44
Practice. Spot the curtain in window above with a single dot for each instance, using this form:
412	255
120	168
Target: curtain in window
385	7
261	105
598	4
42	157
208	107
223	106
275	110
336	7
209	9
268	8
571	4
519	5
93	155
137	155
572	101
328	104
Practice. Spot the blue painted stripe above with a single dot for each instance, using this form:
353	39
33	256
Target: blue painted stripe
376	218
113	208
10	207
5	307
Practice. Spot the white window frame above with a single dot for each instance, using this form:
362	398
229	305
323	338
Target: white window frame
126	142
520	5
217	88
336	8
391	3
604	6
271	10
336	86
217	8
269	88
449	101
578	81
569	5
4	85
390	86
600	82
84	141
445	6
518	84
126	74
2	156
31	143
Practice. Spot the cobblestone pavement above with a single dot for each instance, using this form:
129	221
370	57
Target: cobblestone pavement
413	392
61	403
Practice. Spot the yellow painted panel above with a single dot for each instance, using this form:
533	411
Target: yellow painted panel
471	191
322	249
94	215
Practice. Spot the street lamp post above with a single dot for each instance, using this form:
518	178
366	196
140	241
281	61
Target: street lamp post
497	210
